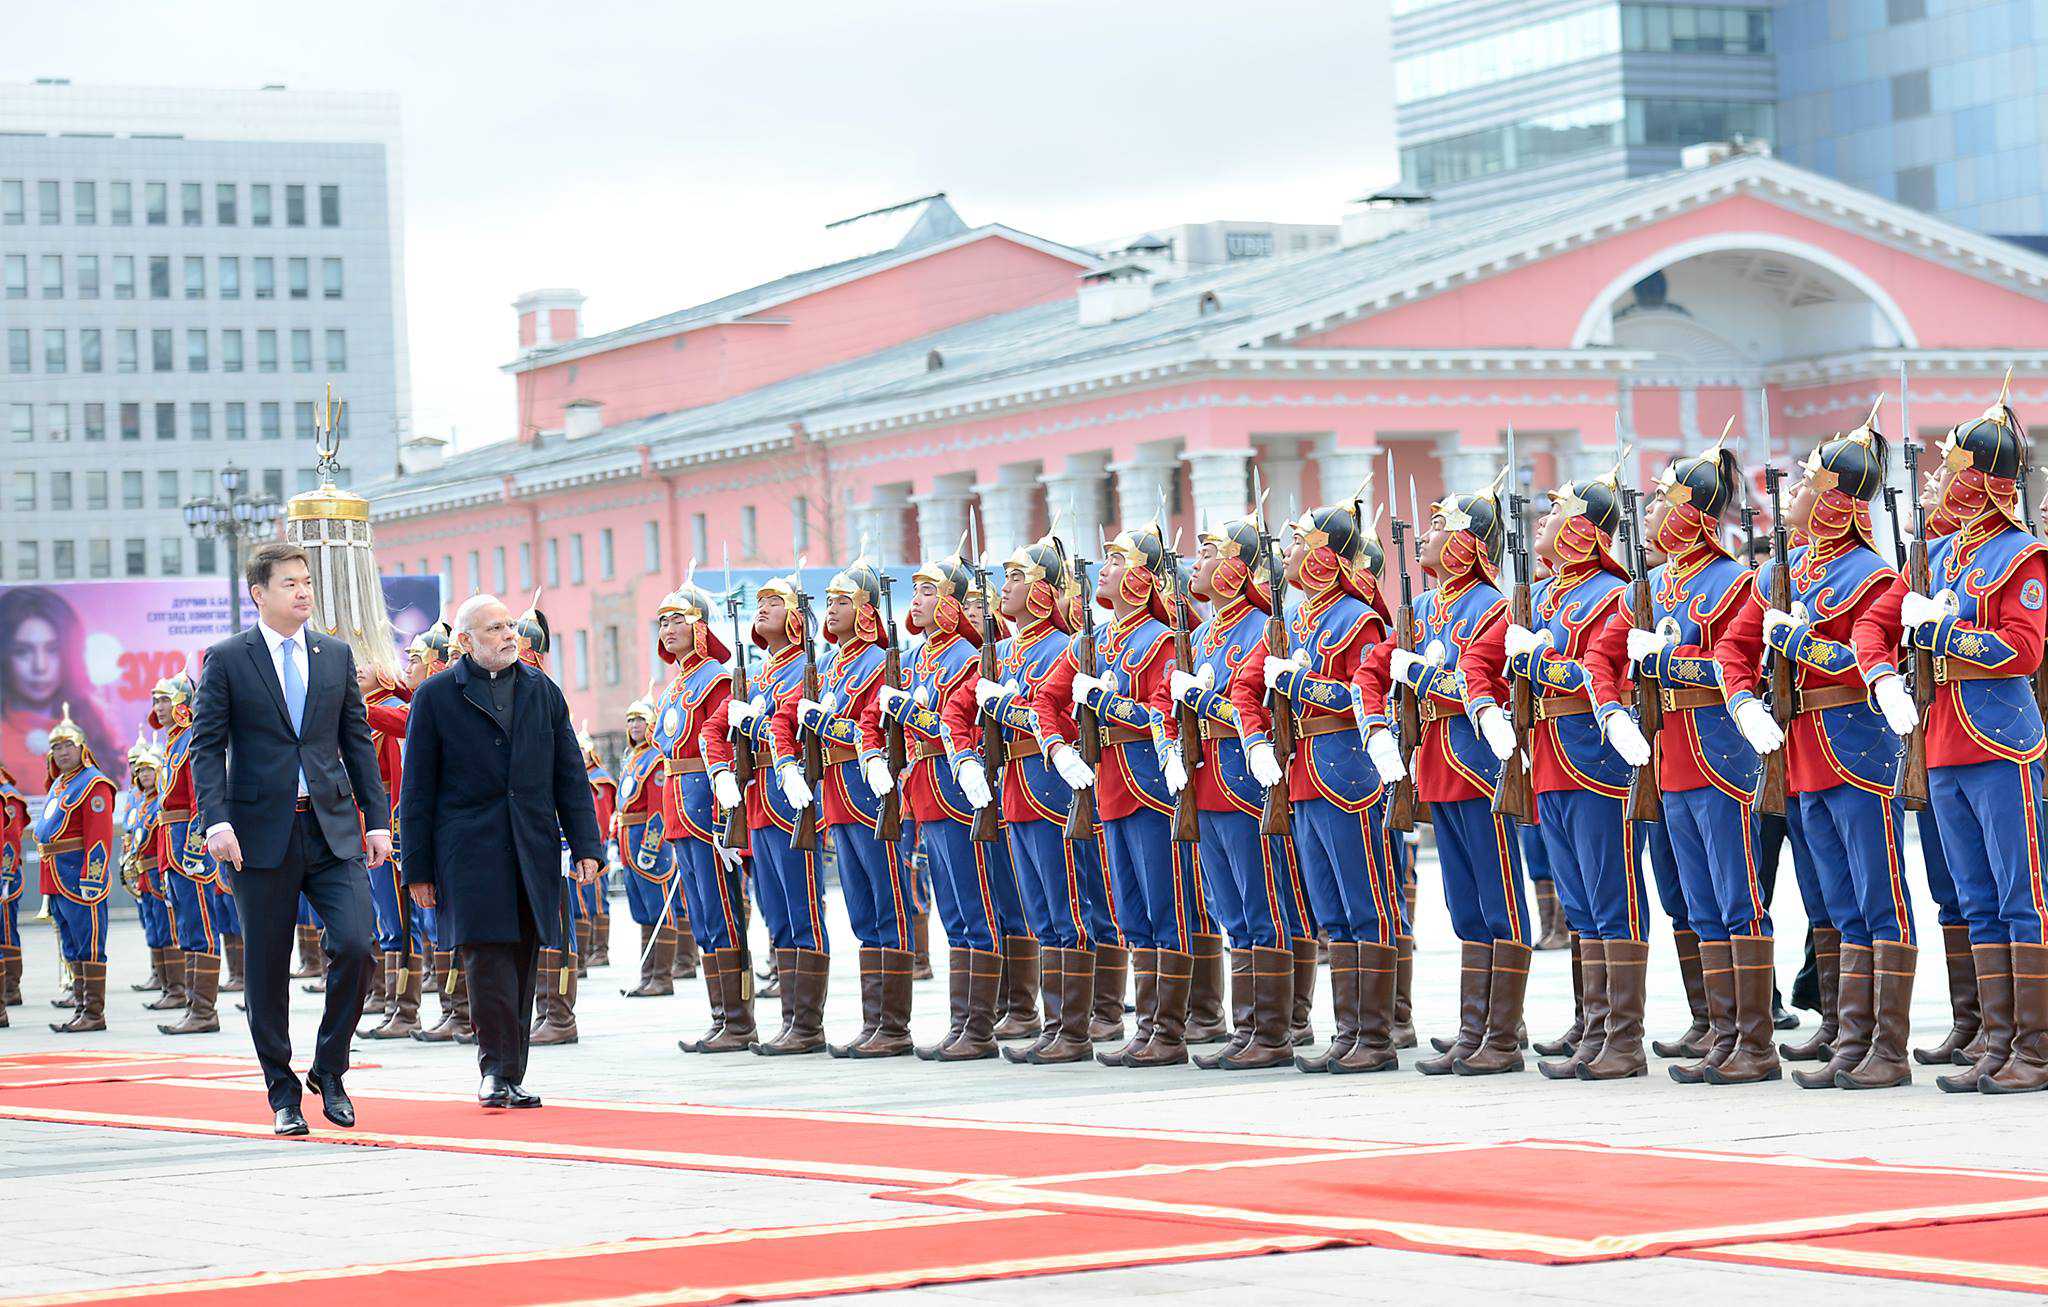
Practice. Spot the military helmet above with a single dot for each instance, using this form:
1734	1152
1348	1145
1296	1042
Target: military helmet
1145	547
534	636
1042	560
858	581
1992	443
640	710
434	647
1852	464
1334	528
1238	538
1707	483
951	575
1597	500
1478	516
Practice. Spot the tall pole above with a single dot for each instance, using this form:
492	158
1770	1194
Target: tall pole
234	573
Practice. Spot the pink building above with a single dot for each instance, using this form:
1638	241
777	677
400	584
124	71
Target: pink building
880	402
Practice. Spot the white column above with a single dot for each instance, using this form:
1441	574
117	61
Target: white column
1221	481
1141	484
878	525
1073	502
1342	468
1280	472
1468	469
1007	505
942	518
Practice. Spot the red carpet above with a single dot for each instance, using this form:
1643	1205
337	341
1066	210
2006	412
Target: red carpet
1535	1201
734	1266
31	1070
2011	1254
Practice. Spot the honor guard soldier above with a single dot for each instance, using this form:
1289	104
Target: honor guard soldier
1456	772
430	652
1581	784
386	704
556	965
963	869
788	882
190	875
1141	771
75	840
1983	624
1250	878
592	922
1841	762
140	873
873	880
1709	772
13	828
651	889
694	697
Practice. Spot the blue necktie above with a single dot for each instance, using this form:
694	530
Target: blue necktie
294	685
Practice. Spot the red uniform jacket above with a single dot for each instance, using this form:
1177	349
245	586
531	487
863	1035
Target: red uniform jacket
854	678
1116	791
716	741
1439	778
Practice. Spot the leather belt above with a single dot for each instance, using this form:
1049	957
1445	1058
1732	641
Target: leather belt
839	753
1947	670
927	749
55	847
1323	724
686	766
1572	704
1428	711
1831	696
1125	735
636	818
1218	731
1687	700
175	814
304	804
1022	746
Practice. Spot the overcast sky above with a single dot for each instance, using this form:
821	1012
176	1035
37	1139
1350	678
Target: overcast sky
654	155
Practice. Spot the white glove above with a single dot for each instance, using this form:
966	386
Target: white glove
1917	610
1264	764
1403	665
923	696
829	704
1498	732
1278	667
1083	684
1386	755
1758	726
729	859
794	787
1643	644
1626	739
1900	712
725	787
1067	762
740	712
1521	640
1175	769
973	778
1775	620
811	714
889	697
987	692
875	771
1184	687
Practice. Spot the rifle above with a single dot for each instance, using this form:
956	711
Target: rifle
1277	817
1404	811
735	835
1515	793
1645	788
1771	796
988	818
811	742
1081	824
1185	826
1912	787
889	823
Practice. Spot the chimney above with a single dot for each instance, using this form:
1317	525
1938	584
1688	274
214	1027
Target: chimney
582	417
1390	212
548	318
422	454
1114	293
1708	153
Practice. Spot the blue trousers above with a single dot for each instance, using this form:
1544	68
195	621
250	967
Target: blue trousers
963	883
1149	879
10	924
789	884
81	929
156	922
714	894
1713	839
1344	859
658	901
225	916
1250	881
1813	895
1990	814
1536	855
1050	873
1940	885
1656	846
1853	838
194	910
1480	858
1594	861
875	883
385	887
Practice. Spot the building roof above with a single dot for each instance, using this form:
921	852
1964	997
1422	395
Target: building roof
1032	354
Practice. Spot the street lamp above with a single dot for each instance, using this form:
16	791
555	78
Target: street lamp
233	517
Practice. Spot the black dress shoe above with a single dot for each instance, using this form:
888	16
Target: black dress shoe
290	1121
495	1091
335	1103
519	1097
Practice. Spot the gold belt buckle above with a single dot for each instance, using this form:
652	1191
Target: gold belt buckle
1941	671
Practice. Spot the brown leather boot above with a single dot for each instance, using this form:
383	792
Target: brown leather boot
805	976
1564	1045
646	960
310	953
92	1006
1754	1058
1205	999
585	936
236	977
769	978
72	995
1717	977
601	933
1070	1041
1962	999
958	970
560	1025
1272	1007
10	974
402	1018
1051	963
1301	1030
737	1031
982	987
689	959
1145	990
1551	930
1850	1011
1019	989
154	981
1240	1011
892	1026
383	964
657	974
1693	1043
1501	1049
1475	970
1625	968
1404	989
1343	1007
714	998
175	995
1885	1065
454	989
1591	957
921	946
1995	1001
1372	1043
202	983
378	996
1112	964
870	1002
1827	965
2026	1066
1172	991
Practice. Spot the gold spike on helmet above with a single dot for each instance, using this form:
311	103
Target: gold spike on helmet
68	730
143	754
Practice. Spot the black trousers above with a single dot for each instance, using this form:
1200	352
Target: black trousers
501	980
268	900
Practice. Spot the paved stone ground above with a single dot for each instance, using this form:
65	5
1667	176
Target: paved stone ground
91	1207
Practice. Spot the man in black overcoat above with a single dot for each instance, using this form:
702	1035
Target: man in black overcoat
494	784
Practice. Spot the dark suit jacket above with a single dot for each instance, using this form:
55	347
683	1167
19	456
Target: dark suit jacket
246	759
484	810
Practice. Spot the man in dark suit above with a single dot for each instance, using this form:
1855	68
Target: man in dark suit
494	783
288	793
